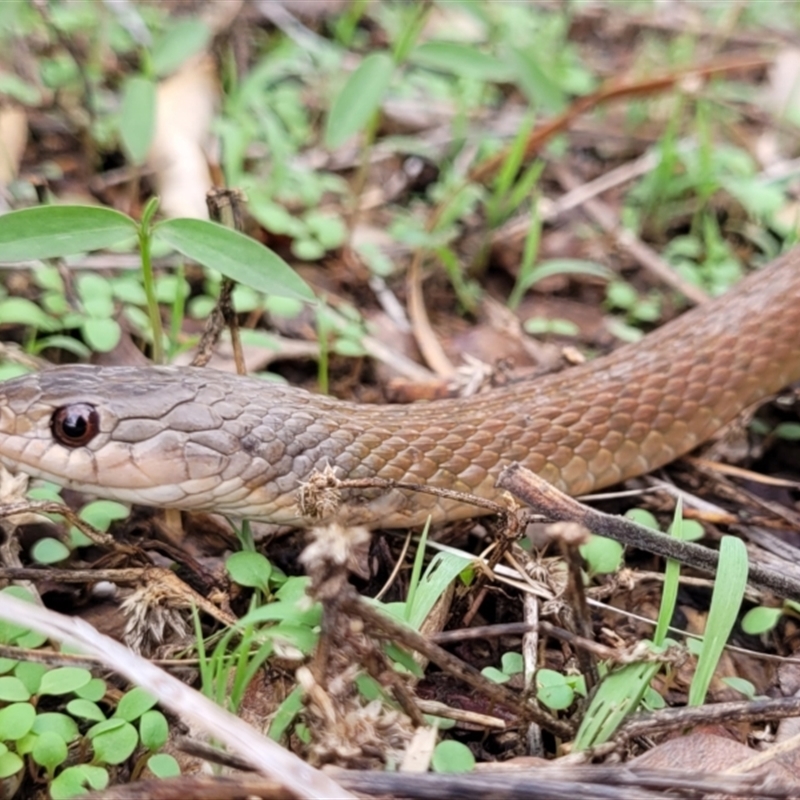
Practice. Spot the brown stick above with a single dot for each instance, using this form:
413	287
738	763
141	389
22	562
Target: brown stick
545	499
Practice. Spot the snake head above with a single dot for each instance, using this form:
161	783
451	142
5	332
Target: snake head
169	437
117	432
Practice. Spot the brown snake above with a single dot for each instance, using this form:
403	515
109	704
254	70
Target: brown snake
201	439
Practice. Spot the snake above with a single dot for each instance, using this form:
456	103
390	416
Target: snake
199	439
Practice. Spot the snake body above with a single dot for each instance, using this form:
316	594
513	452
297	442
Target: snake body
204	440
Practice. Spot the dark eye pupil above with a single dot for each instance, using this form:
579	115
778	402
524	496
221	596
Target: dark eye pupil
75	425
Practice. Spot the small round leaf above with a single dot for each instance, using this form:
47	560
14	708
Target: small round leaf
102	335
85	709
94	690
12	689
10	764
116	745
249	569
49	551
133	704
16	720
153	729
74	781
163	765
31	674
452	756
64	680
62	724
50	750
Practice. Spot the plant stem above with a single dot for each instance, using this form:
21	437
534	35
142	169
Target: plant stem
150	290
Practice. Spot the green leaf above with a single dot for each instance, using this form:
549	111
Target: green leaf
16	88
349	348
153	730
286	714
403	657
359	99
329	229
64	680
690	530
30	640
129	290
12	689
9	632
452	756
369	688
726	599
672	573
101	513
494	675
302	637
85	709
643	517
113	740
31	674
170	287
620	294
307	249
652	700
440	573
94	690
183	40
294	590
462	60
539	326
60	342
741	685
102	335
49	751
54	231
133	704
163	765
137	117
553	690
48	277
16	720
538	86
513	664
49	551
788	430
564	266
21	311
10	764
760	619
8	371
249	569
96	294
246	299
7	664
282	611
62	724
602	555
74	781
617	696
234	255
201	306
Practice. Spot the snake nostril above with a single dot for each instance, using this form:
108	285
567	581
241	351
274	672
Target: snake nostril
75	425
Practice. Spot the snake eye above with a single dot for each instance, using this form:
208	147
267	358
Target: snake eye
75	425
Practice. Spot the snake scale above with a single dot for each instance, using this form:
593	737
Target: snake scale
202	439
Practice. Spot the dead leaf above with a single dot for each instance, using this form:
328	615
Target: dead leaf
186	105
